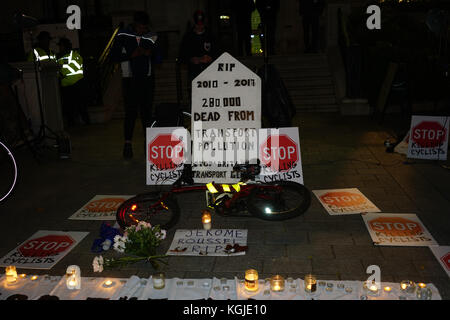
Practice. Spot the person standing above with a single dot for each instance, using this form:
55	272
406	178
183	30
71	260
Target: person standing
311	10
242	10
197	48
73	91
41	51
133	48
268	10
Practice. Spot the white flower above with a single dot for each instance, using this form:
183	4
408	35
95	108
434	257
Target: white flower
161	235
119	246
97	264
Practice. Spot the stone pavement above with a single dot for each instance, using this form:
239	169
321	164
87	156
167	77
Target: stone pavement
337	152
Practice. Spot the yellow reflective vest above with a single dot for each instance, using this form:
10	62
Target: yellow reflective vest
39	54
71	68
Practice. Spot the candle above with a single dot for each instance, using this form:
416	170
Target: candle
34	278
408	286
23	275
277	283
251	280
371	288
387	289
11	274
108	284
73	281
159	281
206	220
310	283
422	285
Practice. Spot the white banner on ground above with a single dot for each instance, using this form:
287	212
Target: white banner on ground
168	149
43	250
345	201
428	138
280	156
227	95
442	254
397	230
101	207
220	242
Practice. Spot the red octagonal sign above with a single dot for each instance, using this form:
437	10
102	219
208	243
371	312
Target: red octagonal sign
446	260
429	134
46	246
166	152
280	153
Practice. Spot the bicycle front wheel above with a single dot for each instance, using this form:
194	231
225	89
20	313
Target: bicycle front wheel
279	201
149	208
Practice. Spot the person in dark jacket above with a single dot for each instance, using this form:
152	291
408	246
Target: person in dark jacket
133	48
311	10
197	48
242	10
268	10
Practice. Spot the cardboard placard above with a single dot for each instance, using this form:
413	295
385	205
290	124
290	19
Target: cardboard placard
226	113
398	230
43	250
207	242
345	201
101	207
168	149
428	138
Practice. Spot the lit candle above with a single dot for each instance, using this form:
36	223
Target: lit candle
387	289
108	284
34	278
422	285
206	220
277	283
159	281
251	280
407	286
310	283
22	275
73	281
11	274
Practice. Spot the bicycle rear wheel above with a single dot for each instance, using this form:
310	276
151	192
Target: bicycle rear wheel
279	201
149	208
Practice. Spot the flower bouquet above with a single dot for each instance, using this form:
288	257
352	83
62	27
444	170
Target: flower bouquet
139	242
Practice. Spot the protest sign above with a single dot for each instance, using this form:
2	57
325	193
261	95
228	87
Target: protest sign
345	201
101	207
43	250
220	242
442	254
168	149
397	230
428	138
226	113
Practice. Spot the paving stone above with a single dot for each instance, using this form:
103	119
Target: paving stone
286	265
338	267
356	252
237	264
331	238
285	237
310	251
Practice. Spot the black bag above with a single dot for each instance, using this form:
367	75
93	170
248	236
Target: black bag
167	115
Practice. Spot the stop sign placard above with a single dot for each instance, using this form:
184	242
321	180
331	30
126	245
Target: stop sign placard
46	246
104	205
166	152
446	260
429	134
396	226
343	199
280	153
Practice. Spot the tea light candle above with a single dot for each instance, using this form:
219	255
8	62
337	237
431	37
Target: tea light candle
371	288
407	286
22	275
206	220
310	283
251	280
277	284
387	289
159	281
108	284
422	285
73	281
34	278
11	274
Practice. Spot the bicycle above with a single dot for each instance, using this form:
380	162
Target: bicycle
7	156
276	201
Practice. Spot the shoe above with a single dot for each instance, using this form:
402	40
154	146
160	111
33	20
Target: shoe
127	151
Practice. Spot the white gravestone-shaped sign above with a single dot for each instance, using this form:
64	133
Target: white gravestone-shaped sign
226	116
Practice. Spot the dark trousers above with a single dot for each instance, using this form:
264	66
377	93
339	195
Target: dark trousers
311	32
138	97
74	103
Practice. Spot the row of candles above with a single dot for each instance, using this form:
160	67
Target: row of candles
251	280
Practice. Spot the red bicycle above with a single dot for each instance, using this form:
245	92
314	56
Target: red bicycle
268	201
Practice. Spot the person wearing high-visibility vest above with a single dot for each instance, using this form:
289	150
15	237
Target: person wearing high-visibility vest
73	91
42	52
